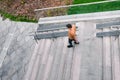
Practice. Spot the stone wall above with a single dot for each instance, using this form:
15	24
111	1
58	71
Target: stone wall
16	47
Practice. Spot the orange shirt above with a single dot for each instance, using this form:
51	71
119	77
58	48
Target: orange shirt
72	32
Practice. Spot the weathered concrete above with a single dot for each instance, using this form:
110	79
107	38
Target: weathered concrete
95	58
54	61
16	47
97	16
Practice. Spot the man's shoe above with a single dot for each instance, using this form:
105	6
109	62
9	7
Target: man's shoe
76	42
69	46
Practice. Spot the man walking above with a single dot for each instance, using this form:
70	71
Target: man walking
71	35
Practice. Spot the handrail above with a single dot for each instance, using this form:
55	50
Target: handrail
73	5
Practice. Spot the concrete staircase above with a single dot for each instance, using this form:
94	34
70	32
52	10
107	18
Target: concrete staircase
95	58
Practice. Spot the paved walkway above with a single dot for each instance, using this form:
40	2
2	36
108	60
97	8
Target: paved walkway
93	59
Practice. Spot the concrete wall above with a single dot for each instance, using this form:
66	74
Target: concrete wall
16	47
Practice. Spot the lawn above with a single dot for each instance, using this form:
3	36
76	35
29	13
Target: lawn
17	18
85	1
109	6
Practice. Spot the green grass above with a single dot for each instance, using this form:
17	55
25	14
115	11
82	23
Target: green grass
85	1
17	18
109	6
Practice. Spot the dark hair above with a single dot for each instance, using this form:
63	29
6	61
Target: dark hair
69	26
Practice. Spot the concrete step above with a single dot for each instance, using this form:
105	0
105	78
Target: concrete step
44	58
32	61
45	31
51	26
82	17
108	24
63	56
111	59
51	35
49	62
108	33
56	62
90	53
37	62
93	59
115	53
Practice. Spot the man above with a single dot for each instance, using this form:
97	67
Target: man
71	35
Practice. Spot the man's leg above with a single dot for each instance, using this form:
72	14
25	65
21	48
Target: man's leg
75	40
70	43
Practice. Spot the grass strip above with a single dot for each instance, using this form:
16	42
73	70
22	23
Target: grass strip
17	18
85	1
109	6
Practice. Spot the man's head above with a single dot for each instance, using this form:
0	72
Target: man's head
69	26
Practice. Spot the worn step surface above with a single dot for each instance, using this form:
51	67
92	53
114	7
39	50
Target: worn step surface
95	58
